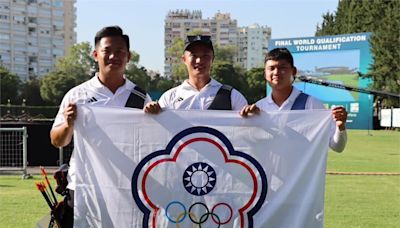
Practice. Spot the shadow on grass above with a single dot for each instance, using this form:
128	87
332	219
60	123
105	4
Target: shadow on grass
6	186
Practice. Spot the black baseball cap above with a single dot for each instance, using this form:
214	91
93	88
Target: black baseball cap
190	40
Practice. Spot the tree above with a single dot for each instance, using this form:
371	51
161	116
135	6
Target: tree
55	85
195	32
382	18
328	23
9	85
161	84
179	72
137	74
385	42
226	74
70	71
225	54
30	91
256	85
79	61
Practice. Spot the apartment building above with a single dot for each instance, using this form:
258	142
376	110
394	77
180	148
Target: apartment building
34	33
178	23
253	45
251	41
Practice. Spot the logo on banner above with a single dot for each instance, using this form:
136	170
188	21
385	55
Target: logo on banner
199	179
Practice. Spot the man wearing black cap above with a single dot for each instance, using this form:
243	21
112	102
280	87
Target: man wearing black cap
200	91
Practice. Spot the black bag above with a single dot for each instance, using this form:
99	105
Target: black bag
62	215
61	178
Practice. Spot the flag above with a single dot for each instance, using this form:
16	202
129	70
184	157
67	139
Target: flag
200	168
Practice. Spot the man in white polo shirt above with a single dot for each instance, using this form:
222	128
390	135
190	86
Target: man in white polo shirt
200	91
279	73
109	87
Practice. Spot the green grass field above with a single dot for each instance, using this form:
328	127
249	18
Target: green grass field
21	204
367	200
350	200
362	201
347	79
377	152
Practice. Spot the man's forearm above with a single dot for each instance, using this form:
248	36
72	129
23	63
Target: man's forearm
338	140
61	135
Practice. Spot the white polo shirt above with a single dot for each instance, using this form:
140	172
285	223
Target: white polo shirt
95	93
187	97
267	104
339	138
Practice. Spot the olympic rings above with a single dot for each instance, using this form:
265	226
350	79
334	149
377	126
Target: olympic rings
184	213
200	221
203	218
219	221
212	216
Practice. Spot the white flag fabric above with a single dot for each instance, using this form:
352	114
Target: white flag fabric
200	168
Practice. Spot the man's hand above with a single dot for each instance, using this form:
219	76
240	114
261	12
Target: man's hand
152	108
70	114
61	135
339	115
249	110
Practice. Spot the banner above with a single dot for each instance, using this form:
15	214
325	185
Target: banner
341	59
200	168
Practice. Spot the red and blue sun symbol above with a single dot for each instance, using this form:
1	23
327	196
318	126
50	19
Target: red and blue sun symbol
199	179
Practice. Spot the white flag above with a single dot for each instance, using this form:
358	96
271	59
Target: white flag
200	168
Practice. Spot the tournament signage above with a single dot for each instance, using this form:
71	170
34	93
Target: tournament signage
339	59
200	168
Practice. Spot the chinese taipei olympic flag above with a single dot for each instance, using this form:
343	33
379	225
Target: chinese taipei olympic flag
200	168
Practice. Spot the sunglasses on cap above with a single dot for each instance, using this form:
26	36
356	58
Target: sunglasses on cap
191	39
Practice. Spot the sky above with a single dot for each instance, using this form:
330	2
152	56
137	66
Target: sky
143	20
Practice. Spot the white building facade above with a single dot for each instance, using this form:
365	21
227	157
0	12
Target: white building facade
34	34
253	45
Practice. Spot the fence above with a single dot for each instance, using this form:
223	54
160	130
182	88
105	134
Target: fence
9	112
13	149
